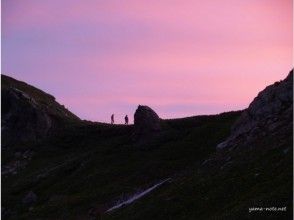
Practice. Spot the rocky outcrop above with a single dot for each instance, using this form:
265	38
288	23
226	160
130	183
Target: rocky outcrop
266	125
270	114
22	120
146	121
28	114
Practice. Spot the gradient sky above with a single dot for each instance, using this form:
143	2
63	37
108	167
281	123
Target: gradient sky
181	58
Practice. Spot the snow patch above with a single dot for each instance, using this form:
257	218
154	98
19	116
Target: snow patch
137	196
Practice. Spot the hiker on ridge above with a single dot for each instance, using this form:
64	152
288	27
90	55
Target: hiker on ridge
126	120
112	119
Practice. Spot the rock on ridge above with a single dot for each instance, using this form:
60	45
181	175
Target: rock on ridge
146	121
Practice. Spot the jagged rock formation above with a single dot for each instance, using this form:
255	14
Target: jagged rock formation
270	113
146	121
28	114
267	124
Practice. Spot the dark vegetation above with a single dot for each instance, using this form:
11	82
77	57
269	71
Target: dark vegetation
92	164
265	181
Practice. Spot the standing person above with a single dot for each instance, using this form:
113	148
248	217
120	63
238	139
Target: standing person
126	120
112	119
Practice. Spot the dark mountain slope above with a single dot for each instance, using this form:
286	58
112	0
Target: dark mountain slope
29	114
253	168
91	166
267	125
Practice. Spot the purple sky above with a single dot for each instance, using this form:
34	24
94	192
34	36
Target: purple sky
181	58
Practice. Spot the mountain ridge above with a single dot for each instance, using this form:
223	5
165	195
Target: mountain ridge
28	113
88	167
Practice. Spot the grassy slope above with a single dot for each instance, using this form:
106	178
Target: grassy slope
92	164
267	182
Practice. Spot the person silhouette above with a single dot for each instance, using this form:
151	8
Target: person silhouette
112	119
126	120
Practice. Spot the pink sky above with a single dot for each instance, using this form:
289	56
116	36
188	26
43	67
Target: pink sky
181	58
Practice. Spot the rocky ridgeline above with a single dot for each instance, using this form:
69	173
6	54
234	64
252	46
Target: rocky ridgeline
28	114
266	124
270	113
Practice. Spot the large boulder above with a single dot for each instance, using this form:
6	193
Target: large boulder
146	121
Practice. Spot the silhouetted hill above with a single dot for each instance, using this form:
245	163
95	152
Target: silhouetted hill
29	114
87	168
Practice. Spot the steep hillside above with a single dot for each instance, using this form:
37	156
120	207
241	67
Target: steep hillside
29	114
